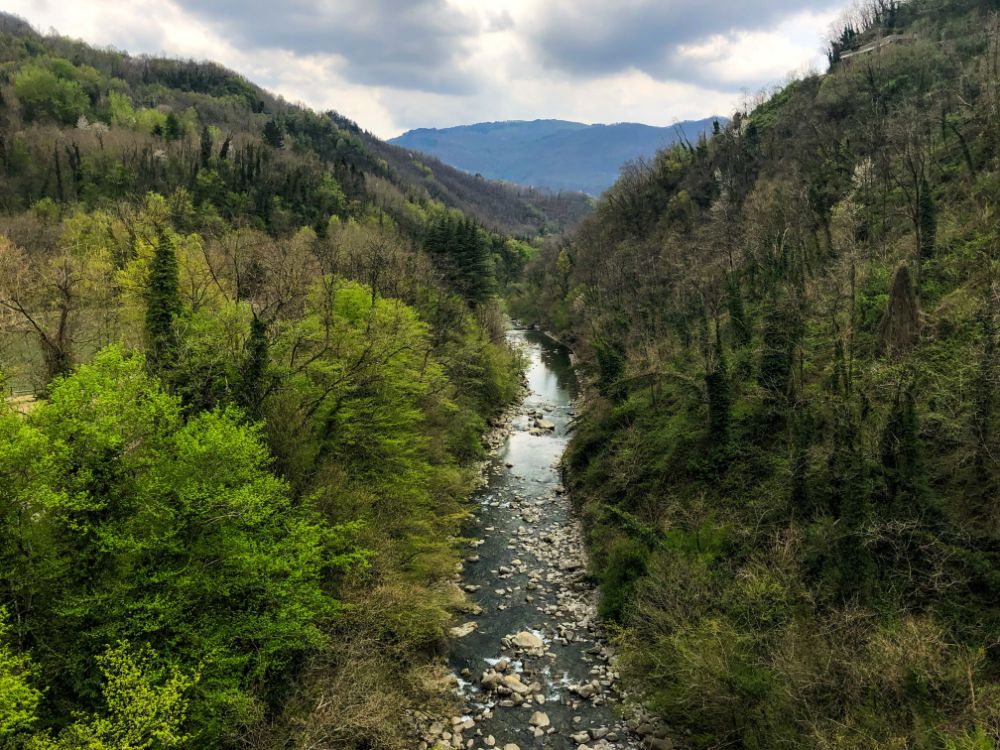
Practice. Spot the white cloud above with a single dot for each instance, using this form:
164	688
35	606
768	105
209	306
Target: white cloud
504	75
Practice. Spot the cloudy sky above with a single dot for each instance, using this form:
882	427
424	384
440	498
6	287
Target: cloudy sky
393	65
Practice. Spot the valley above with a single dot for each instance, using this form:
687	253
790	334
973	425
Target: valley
281	470
534	662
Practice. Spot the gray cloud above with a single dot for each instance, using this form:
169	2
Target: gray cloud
405	44
596	37
501	21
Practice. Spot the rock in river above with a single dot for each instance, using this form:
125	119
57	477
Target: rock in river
463	630
539	719
528	641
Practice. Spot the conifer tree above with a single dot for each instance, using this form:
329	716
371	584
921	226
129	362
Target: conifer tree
850	504
801	500
254	371
737	313
173	129
927	211
206	147
719	396
163	304
611	367
274	136
907	489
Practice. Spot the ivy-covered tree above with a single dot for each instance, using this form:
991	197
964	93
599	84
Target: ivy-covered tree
163	303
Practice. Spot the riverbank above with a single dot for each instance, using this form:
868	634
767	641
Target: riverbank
533	663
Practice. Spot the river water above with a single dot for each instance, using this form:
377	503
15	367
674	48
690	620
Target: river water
526	571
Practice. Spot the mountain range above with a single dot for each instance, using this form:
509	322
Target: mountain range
553	154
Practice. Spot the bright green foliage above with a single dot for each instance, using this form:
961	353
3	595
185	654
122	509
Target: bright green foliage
19	698
218	552
145	707
44	93
120	110
164	532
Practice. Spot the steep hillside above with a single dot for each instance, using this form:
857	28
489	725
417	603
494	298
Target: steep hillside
254	357
789	462
521	211
146	91
554	154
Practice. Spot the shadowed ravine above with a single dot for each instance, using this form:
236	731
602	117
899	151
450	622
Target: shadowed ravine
526	571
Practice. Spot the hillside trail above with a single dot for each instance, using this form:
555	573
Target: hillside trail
535	669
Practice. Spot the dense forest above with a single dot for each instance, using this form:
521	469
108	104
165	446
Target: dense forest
789	461
252	353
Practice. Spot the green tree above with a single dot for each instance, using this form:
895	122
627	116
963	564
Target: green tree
163	303
927	220
719	398
43	93
145	707
164	532
205	147
902	462
19	698
254	373
610	369
274	135
173	128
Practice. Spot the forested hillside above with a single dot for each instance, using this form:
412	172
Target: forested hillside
253	358
553	154
789	460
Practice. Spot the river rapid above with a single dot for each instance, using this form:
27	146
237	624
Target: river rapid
534	669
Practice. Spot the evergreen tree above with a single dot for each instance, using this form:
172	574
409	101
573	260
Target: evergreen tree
254	372
850	504
902	468
717	385
983	415
776	359
611	367
206	147
274	136
801	500
737	313
163	304
927	212
173	129
464	254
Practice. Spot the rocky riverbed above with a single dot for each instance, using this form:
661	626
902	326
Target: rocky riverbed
533	666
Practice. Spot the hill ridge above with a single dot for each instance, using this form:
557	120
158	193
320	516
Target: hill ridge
551	153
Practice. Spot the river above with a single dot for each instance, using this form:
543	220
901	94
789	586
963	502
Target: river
535	671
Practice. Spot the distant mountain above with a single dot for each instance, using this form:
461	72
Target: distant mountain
554	154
